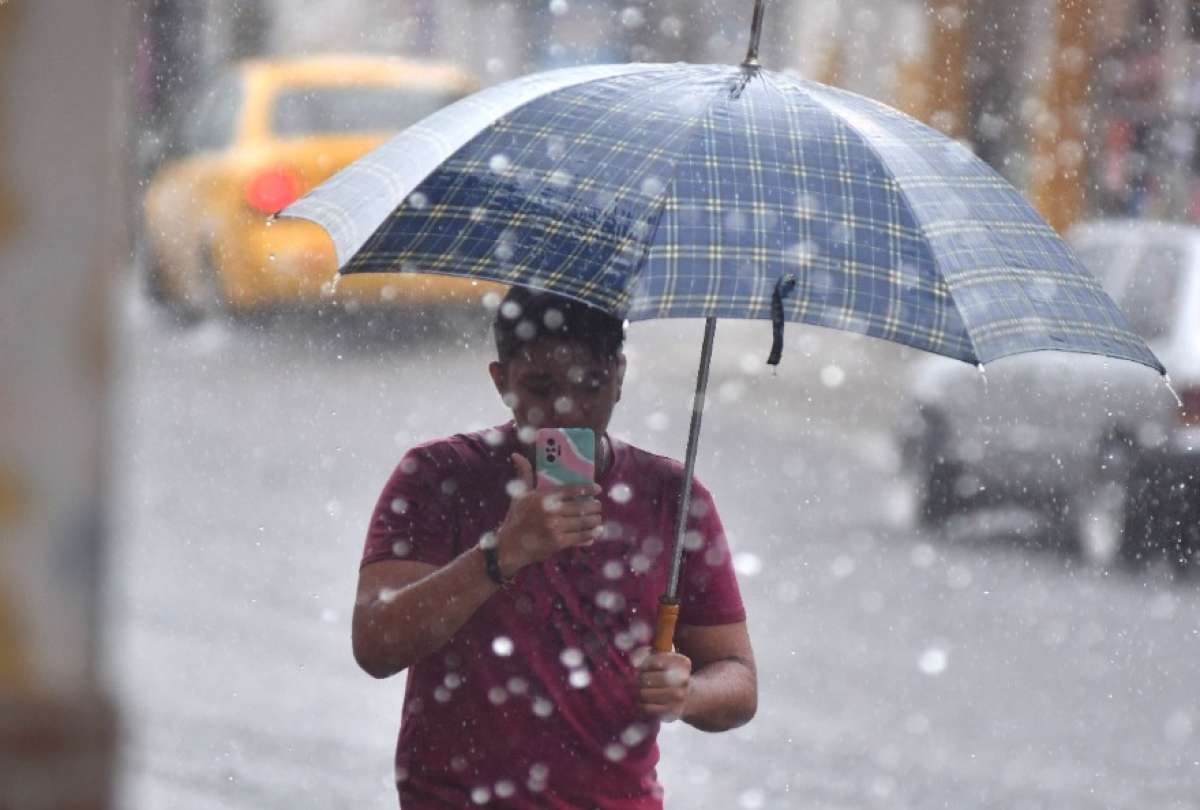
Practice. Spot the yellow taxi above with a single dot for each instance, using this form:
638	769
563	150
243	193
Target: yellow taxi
259	136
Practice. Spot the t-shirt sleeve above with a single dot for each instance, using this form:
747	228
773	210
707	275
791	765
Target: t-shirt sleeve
411	520
709	593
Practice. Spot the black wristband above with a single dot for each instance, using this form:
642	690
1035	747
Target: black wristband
491	560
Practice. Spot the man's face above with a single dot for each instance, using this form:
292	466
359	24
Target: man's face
559	383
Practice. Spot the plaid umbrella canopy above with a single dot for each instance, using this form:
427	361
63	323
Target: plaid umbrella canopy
679	190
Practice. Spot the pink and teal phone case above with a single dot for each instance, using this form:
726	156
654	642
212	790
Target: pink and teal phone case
565	456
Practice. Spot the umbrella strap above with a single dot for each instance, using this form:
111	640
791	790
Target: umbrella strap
783	286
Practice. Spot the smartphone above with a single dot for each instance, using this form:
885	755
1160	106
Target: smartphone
565	456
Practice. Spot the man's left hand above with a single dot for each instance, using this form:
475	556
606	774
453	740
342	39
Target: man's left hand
663	683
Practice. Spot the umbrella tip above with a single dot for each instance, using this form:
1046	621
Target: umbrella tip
751	60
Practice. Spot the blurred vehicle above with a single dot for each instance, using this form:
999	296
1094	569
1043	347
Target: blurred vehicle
1100	447
259	136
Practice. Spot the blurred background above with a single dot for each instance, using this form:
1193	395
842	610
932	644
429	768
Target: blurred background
965	588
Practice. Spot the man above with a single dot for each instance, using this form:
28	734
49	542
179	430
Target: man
523	616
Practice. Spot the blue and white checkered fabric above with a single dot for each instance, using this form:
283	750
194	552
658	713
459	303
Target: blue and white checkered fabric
667	191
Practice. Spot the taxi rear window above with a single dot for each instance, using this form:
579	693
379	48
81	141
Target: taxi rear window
350	109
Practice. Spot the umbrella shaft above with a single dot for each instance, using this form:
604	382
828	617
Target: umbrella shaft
760	7
689	464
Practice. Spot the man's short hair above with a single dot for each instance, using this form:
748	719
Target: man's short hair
526	314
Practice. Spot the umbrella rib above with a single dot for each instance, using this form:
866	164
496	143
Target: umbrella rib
901	192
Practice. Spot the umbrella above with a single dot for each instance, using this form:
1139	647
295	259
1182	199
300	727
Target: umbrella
714	191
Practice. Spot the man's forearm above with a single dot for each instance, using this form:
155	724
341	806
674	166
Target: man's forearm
402	627
723	695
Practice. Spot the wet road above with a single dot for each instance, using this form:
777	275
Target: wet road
898	669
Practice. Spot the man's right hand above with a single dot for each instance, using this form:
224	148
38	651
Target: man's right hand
541	523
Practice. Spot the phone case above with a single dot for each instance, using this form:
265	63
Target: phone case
565	456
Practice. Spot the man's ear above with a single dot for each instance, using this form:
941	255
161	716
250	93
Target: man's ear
499	374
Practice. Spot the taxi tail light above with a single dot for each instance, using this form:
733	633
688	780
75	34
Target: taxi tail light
272	190
1189	414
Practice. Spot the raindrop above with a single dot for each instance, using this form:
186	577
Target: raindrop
441	694
418	201
563	405
516	488
525	330
481	795
493	437
452	680
641	631
494	65
505	788
933	661
517	685
539	772
553	319
579	678
542	707
750	363
449	486
752	799
692	541
633	735
632	17
658	420
922	555
401	548
832	376
671	26
571	657
639	563
333	508
497	695
747	563
556	147
271	257
621	493
625	641
613	569
558	7
560	179
399	506
504	252
652	186
527	434
499	163
614	752
842	566
408	466
609	600
731	391
502	646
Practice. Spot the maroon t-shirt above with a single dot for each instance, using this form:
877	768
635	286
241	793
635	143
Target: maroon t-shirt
531	703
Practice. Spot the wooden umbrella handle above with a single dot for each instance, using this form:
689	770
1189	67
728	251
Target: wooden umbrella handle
664	625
